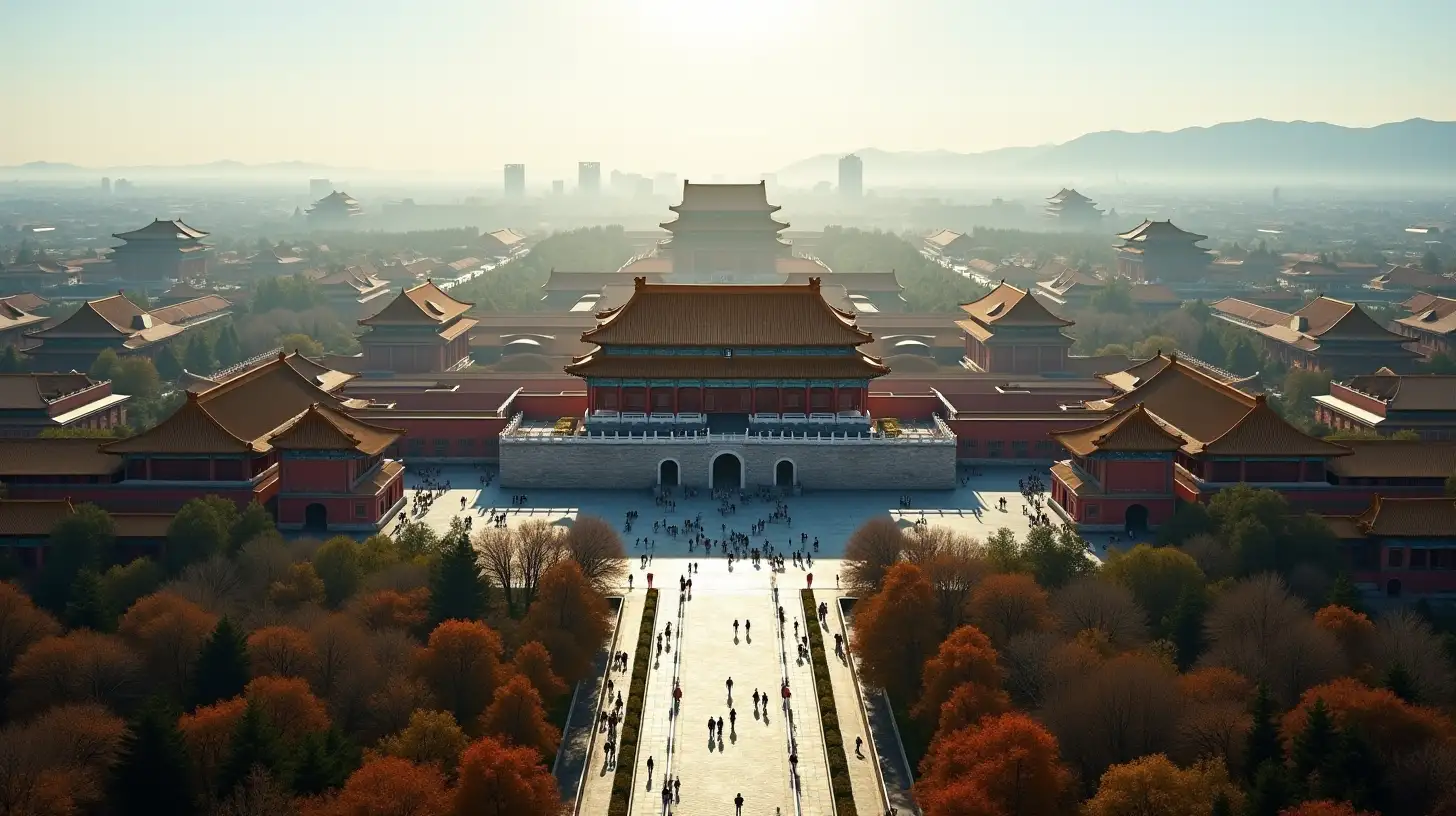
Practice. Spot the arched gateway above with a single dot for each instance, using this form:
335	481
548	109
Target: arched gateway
786	473
315	517
725	472
667	473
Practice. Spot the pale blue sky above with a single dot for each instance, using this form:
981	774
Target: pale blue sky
738	86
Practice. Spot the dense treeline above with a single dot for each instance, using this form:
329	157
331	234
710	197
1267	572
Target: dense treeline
1228	670
242	673
516	285
929	287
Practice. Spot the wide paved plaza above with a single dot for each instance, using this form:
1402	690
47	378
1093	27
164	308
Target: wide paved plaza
704	650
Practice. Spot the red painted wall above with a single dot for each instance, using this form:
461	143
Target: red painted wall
321	476
543	405
904	405
976	437
1137	477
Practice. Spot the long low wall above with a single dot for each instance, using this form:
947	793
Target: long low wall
636	463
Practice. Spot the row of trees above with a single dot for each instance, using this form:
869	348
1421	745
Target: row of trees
1177	679
259	675
516	285
929	287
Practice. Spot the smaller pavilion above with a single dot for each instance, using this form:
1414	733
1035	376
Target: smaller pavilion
1159	252
1326	334
161	251
423	330
1010	332
334	211
724	233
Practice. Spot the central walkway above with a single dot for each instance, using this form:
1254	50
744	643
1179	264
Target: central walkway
753	756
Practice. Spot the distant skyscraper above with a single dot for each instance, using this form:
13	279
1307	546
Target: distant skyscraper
105	185
319	188
851	176
558	187
515	180
589	178
122	186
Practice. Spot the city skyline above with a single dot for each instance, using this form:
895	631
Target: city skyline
652	85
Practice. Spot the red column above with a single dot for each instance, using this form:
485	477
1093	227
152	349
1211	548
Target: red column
619	399
834	400
674	399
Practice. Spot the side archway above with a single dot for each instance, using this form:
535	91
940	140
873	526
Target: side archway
786	473
669	473
316	517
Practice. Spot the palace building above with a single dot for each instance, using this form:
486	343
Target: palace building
724	233
1070	209
1331	335
727	386
1010	332
422	330
118	324
1159	252
161	251
31	403
334	211
1386	402
269	435
1182	434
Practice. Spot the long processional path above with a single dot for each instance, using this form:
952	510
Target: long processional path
762	745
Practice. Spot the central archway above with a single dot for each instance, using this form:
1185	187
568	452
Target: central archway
667	473
786	473
725	472
1135	519
316	517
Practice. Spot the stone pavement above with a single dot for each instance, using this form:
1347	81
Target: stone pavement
864	772
753	757
597	787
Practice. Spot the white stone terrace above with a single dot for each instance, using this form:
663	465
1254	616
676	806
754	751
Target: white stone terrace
928	432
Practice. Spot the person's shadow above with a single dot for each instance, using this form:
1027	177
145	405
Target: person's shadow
735	640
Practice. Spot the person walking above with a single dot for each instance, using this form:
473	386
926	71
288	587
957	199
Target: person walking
677	789
735	629
649	766
859	747
738	803
730	686
733	718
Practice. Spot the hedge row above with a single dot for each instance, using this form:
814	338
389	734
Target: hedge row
627	742
833	739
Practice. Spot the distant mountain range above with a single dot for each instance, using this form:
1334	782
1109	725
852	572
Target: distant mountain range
1416	151
224	169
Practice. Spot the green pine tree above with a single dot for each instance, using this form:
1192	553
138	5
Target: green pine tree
221	670
1343	593
199	358
105	366
11	362
1186	626
229	349
1270	792
324	761
1263	741
1313	747
152	775
1356	774
457	589
1400	682
255	744
1222	806
169	366
86	608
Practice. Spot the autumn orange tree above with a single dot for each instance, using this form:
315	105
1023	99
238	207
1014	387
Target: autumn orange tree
533	662
1154	786
516	715
393	609
208	732
21	625
282	651
497	777
569	618
1391	725
387	786
969	704
79	667
1006	605
966	657
167	631
289	705
1353	630
895	632
461	664
1007	764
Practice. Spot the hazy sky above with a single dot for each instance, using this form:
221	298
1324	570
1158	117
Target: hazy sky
735	86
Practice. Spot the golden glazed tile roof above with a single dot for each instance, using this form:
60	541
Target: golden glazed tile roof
1129	431
1408	518
419	305
944	238
1205	411
739	367
1006	305
163	231
324	428
726	316
21	392
1408	392
237	416
56	457
724	198
1160	230
1396	459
